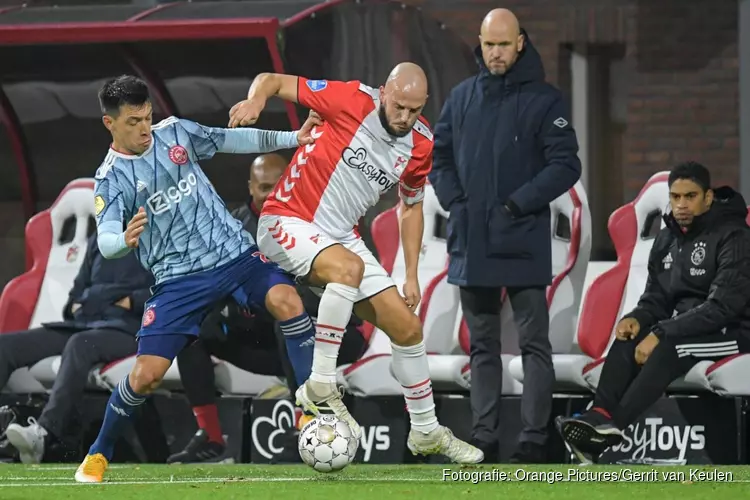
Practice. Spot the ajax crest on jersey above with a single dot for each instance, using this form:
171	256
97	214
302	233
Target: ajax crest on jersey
178	154
317	85
327	444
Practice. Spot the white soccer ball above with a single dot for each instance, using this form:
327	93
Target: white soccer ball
327	444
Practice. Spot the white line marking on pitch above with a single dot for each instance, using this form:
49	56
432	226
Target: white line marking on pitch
206	480
234	480
72	467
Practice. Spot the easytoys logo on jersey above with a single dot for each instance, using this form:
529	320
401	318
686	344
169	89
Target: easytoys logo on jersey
358	159
162	201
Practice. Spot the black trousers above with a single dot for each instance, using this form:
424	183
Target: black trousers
627	389
481	308
80	350
197	372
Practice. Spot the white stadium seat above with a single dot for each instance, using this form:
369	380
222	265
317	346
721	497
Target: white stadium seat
616	291
39	295
445	332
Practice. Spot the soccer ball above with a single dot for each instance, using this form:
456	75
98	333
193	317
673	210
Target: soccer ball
327	444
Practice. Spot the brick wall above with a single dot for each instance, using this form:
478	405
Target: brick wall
684	97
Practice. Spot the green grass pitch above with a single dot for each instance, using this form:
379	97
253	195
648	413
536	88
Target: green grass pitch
375	482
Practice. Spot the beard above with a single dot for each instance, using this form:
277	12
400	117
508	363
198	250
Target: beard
387	126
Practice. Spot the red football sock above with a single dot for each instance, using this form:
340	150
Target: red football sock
208	420
602	411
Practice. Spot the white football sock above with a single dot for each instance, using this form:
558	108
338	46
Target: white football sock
413	373
334	312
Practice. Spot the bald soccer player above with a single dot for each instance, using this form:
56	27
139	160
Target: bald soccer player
253	343
371	140
504	150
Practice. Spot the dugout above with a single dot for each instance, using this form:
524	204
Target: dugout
199	58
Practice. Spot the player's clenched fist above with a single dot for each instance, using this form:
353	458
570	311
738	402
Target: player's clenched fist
136	226
246	112
412	295
627	328
305	134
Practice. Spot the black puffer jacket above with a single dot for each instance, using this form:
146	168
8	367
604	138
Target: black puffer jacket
101	283
699	280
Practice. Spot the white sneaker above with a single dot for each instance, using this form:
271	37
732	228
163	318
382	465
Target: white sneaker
312	395
441	441
29	441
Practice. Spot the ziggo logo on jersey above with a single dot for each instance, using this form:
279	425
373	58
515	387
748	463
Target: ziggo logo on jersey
162	201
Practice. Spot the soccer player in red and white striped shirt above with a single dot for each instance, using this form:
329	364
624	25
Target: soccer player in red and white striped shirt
370	141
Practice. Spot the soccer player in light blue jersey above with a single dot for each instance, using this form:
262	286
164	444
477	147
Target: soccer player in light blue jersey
152	198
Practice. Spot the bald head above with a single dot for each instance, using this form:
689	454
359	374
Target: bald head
265	172
402	98
409	80
501	40
500	20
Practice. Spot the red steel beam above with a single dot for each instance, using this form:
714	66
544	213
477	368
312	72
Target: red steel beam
278	67
124	31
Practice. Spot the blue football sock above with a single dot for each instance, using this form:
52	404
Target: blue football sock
299	334
120	407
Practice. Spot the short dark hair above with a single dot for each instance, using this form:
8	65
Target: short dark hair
122	91
693	171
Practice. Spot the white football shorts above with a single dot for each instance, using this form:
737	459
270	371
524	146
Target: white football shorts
294	244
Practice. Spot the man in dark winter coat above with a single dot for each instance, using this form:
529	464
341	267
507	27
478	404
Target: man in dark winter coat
695	308
504	150
253	343
100	319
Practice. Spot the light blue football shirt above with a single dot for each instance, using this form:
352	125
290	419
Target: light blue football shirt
189	228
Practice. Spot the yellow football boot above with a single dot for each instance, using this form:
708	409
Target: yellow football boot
92	469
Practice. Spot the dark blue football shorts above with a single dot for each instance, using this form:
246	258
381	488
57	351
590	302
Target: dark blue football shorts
173	315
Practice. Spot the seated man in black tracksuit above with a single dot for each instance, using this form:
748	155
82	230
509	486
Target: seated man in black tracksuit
696	307
100	319
253	343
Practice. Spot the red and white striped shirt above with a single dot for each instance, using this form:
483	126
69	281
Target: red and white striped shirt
353	162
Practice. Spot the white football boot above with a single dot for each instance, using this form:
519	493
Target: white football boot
441	441
312	396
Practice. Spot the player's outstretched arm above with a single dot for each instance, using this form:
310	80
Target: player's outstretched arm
268	85
253	140
265	86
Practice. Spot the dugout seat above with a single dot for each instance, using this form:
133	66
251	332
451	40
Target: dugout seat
633	228
445	330
56	242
